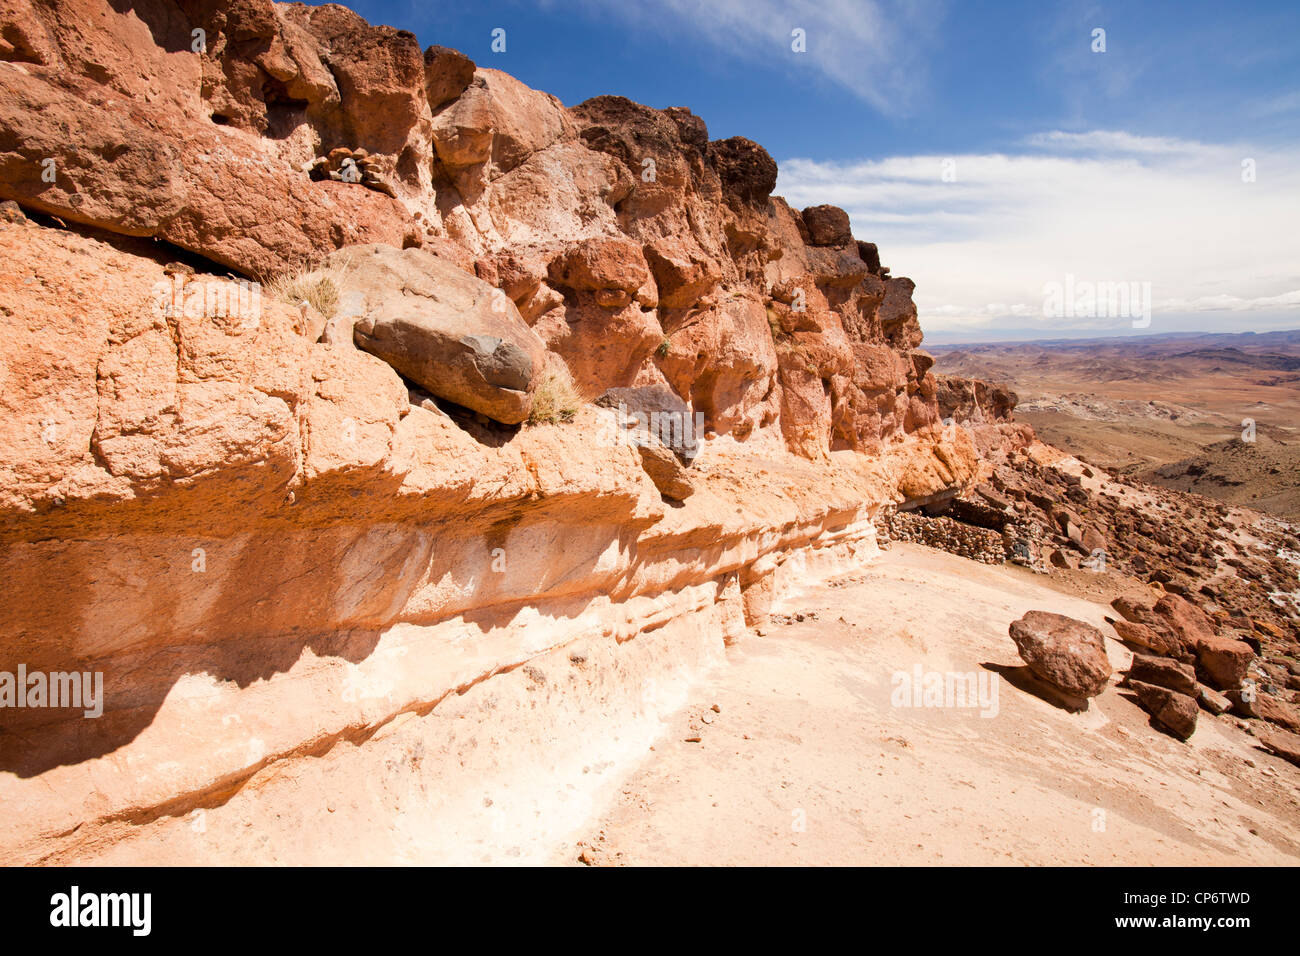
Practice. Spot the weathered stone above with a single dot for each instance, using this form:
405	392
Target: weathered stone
1211	700
1275	710
690	127
1173	711
500	119
447	74
447	331
1188	622
1132	610
665	470
1285	745
746	169
1225	661
659	412
606	262
827	226
1164	673
1065	652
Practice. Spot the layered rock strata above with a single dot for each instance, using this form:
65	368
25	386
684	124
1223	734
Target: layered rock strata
288	531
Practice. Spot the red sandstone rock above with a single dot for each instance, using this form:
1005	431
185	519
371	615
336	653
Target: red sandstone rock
1275	710
605	262
1068	654
1226	661
1174	711
1285	745
1164	673
1185	619
1144	636
827	226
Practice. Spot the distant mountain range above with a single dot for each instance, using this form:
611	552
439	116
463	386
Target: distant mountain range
1245	341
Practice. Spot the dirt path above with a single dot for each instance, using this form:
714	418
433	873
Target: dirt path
808	761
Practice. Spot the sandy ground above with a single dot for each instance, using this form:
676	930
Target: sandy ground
807	760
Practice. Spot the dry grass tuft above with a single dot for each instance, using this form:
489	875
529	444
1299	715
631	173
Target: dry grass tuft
555	399
320	288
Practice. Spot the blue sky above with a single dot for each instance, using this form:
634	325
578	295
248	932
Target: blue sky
987	148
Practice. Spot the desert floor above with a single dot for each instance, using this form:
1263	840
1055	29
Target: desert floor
806	761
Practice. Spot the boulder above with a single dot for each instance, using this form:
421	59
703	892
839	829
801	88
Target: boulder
1132	610
828	226
1173	711
1063	560
1093	540
1275	710
1064	652
1157	639
1163	673
665	470
651	418
445	330
1185	619
1224	660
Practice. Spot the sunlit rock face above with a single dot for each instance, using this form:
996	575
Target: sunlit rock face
274	544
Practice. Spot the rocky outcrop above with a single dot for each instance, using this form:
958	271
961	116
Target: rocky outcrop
275	541
985	409
639	251
113	120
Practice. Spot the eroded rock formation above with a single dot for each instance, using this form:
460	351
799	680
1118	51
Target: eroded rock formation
273	543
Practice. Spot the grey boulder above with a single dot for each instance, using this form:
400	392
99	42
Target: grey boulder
440	327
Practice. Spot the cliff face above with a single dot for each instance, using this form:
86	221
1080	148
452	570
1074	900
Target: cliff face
269	542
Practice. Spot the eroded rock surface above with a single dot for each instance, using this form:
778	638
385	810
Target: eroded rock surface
279	526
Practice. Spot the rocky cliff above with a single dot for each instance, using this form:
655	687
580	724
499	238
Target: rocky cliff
285	524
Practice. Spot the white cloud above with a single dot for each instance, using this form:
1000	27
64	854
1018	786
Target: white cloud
877	50
1111	141
1103	206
